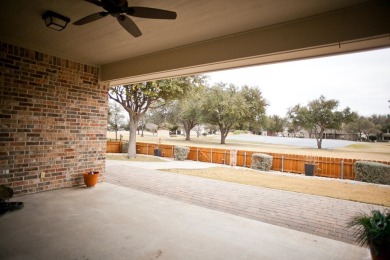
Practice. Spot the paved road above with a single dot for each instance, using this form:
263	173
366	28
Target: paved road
300	142
316	215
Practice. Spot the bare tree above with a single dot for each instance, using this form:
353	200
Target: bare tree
116	117
198	129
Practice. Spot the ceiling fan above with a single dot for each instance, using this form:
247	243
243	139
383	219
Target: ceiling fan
120	9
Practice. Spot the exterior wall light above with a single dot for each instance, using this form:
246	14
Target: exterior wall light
55	21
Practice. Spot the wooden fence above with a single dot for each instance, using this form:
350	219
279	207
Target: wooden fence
325	166
114	147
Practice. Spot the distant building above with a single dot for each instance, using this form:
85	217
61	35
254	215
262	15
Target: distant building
386	136
328	134
340	135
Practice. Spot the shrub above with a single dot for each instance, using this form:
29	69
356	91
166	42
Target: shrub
372	172
261	161
125	147
373	230
181	152
238	132
372	138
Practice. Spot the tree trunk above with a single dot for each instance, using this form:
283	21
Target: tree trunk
188	134
224	133
319	143
188	125
142	128
133	122
187	130
223	138
319	138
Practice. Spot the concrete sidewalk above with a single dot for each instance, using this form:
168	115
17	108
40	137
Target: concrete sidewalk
167	164
113	222
322	216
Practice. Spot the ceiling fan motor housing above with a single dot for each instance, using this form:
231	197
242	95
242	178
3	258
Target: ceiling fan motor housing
115	6
119	9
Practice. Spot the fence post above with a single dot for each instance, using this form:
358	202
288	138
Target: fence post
173	152
282	163
244	159
147	149
197	154
342	169
224	158
211	155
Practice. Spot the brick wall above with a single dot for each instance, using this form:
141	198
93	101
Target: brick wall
53	116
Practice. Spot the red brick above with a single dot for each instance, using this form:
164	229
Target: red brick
49	100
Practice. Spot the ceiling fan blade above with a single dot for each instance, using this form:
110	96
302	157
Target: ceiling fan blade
129	25
152	13
95	2
91	18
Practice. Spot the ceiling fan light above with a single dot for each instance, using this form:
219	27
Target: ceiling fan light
55	21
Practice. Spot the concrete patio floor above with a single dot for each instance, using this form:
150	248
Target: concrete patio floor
114	222
317	215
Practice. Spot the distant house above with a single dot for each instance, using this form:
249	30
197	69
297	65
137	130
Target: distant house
162	133
340	135
328	134
386	136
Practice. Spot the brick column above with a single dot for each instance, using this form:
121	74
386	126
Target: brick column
53	124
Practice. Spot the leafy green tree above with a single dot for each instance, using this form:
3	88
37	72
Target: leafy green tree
187	111
227	107
156	116
319	115
211	129
138	98
276	124
258	126
382	124
256	106
361	126
292	129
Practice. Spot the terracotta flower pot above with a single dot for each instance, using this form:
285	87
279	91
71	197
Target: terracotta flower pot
91	179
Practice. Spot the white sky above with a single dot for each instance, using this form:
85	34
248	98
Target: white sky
360	81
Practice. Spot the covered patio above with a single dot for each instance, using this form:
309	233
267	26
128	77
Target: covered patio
53	95
133	215
53	103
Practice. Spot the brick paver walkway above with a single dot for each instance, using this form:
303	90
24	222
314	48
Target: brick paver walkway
317	215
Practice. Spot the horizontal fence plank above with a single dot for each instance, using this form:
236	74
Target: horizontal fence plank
292	163
114	147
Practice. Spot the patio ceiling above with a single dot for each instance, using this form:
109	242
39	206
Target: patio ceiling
207	35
